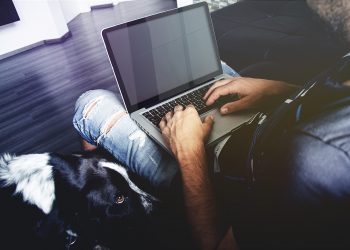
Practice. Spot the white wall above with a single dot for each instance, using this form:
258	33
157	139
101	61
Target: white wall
39	20
57	15
70	9
42	20
181	3
98	2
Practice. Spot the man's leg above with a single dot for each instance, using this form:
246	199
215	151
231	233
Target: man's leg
102	121
228	70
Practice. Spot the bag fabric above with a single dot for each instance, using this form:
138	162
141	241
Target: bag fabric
298	193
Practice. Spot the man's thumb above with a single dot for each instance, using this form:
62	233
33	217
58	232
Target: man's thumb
234	106
208	123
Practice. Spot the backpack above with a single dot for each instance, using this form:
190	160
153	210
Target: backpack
247	146
254	196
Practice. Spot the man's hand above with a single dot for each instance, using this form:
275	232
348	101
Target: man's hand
184	131
252	93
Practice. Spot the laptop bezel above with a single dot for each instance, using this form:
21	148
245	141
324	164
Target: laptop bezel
174	92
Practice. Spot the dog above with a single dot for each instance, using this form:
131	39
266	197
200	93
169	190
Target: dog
79	201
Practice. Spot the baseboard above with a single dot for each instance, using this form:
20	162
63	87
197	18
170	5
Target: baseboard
60	39
101	6
35	45
18	51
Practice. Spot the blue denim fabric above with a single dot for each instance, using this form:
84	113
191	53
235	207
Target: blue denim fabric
96	109
228	70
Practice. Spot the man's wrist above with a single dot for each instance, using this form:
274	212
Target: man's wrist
190	154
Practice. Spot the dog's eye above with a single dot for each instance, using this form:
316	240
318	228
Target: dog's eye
120	199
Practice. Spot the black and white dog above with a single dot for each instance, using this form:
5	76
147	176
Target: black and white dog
53	201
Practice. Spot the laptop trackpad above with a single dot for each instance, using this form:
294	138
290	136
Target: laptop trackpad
223	124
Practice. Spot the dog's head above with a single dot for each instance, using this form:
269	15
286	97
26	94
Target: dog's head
117	208
85	194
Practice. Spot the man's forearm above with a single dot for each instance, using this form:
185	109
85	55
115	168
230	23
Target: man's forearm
201	207
185	132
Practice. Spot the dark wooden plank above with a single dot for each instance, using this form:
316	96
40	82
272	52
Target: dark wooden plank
38	88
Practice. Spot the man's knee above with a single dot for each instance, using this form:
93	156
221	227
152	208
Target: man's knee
89	102
97	112
91	96
85	106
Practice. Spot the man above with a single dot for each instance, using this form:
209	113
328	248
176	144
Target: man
186	134
101	120
299	165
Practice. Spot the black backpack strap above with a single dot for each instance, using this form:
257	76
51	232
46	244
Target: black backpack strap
323	92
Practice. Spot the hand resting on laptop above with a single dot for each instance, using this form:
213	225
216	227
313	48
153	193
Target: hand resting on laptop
252	93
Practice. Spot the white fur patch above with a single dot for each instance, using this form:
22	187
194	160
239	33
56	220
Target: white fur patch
146	199
32	176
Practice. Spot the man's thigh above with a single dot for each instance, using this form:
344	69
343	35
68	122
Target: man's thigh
101	120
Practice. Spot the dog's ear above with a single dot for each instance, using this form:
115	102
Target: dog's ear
32	177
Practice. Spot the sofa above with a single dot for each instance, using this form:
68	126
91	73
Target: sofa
275	39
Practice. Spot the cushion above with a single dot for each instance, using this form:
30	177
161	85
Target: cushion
280	40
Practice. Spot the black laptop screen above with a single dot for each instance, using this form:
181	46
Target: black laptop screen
163	55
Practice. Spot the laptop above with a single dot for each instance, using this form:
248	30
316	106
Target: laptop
168	59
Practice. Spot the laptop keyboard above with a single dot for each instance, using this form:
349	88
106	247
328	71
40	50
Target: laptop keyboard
195	98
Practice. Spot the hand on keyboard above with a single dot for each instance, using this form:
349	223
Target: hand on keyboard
194	98
252	93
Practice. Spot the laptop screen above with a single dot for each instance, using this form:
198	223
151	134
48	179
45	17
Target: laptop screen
163	55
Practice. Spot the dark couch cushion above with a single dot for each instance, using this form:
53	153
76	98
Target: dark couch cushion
280	40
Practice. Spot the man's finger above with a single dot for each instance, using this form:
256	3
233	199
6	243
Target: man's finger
166	133
168	116
178	108
220	91
208	124
162	123
238	105
166	136
169	119
215	85
191	108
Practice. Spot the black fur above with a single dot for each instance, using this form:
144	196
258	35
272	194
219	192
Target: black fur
85	204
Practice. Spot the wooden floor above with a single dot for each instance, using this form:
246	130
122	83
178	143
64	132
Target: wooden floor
38	88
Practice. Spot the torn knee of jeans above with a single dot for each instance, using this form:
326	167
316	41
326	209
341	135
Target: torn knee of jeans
110	122
91	105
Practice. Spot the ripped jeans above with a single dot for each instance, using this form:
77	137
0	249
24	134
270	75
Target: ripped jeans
101	120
